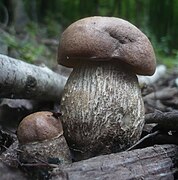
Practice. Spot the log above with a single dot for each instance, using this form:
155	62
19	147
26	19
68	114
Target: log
19	79
166	120
162	100
163	94
157	162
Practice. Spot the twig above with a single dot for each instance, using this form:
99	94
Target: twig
42	162
143	139
37	165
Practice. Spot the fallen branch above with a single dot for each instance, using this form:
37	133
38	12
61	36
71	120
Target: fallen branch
167	120
156	162
163	99
164	94
159	73
22	80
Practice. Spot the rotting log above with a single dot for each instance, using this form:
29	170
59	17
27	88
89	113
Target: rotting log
19	79
156	162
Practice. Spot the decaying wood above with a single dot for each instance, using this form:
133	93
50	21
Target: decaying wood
22	80
163	94
167	120
156	162
163	100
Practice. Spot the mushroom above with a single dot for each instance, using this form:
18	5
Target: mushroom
41	138
102	107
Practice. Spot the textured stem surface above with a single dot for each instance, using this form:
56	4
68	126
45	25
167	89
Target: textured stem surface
102	109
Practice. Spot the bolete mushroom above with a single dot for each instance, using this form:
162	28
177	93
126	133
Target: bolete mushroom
41	138
102	107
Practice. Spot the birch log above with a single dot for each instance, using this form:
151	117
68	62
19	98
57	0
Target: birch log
19	79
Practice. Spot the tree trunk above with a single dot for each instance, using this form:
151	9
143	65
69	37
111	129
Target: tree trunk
22	80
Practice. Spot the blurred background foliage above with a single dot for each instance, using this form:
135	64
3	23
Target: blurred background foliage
43	21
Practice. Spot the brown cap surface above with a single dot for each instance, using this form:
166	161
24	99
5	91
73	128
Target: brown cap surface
106	38
38	126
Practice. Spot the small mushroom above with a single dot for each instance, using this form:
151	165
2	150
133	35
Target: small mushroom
41	138
102	107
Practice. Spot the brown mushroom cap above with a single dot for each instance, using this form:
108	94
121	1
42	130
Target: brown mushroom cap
106	38
39	126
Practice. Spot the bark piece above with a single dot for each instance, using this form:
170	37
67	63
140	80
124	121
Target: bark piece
157	162
22	80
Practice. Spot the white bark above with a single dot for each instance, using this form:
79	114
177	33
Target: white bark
22	80
159	73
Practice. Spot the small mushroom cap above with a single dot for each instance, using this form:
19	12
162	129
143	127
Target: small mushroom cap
104	39
39	126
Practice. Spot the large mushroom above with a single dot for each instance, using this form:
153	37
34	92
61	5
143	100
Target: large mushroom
102	107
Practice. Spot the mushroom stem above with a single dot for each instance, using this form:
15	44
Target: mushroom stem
54	150
103	108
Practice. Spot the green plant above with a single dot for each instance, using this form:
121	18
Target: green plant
27	49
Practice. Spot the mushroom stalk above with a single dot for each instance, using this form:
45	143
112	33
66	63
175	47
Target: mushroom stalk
103	108
54	151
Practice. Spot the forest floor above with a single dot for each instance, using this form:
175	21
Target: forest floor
161	105
160	99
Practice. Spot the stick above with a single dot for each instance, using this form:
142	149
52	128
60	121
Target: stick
22	80
167	120
164	94
143	139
